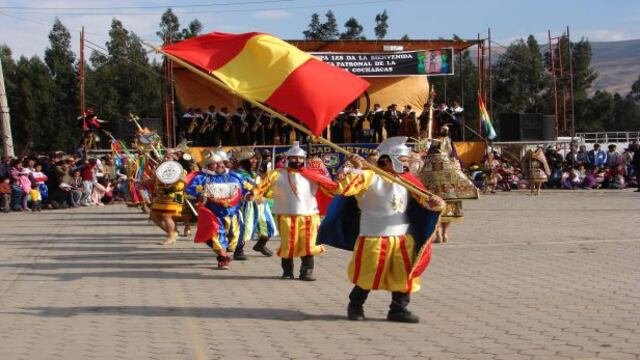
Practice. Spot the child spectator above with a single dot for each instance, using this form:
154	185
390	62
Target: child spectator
21	174
40	179
36	198
5	195
16	195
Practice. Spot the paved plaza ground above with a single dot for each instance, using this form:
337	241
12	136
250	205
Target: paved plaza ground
549	277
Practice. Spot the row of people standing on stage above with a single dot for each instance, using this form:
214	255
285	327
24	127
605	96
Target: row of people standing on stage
352	126
254	126
220	128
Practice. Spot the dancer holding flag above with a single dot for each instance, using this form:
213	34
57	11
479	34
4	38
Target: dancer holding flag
294	190
391	246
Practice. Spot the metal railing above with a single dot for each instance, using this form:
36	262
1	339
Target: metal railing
609	137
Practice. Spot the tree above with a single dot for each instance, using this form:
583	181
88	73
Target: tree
124	81
626	114
405	37
194	29
381	25
61	62
583	76
353	30
314	29
329	29
169	27
33	108
519	78
635	90
601	110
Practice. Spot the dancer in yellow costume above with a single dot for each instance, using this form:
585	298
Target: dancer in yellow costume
167	203
293	190
385	256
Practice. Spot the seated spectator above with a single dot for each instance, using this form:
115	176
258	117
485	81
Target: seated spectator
590	181
613	157
597	157
5	195
582	156
570	179
17	195
555	160
599	175
100	190
617	181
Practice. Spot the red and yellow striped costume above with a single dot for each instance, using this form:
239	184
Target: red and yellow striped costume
298	231
298	235
379	262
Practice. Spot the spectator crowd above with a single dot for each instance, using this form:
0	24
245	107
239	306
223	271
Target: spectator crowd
56	181
579	168
62	181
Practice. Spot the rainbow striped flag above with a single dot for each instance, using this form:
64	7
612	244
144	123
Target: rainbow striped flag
487	126
269	70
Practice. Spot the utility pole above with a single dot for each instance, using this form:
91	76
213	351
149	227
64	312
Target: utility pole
7	139
555	85
490	77
573	119
81	77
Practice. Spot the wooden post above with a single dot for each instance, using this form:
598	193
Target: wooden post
81	72
573	119
7	139
555	85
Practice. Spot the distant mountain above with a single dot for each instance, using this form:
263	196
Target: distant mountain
617	63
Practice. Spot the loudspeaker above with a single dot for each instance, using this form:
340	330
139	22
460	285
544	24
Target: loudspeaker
548	128
526	127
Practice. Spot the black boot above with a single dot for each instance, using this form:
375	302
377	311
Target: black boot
398	309
261	246
306	269
287	268
238	254
357	297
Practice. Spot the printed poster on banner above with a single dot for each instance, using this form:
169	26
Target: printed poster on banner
436	62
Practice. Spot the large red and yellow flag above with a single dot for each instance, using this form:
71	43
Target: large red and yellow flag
269	70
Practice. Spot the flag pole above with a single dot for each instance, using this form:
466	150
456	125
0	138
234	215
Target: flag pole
393	178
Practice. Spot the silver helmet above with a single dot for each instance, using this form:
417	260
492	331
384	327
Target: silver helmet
296	150
394	148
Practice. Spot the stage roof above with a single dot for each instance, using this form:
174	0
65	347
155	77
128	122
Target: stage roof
365	46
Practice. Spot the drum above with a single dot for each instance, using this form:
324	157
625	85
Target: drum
169	172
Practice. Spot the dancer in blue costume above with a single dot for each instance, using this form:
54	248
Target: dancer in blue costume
221	192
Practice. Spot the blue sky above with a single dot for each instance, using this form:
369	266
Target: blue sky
25	30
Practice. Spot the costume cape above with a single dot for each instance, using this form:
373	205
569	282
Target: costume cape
341	226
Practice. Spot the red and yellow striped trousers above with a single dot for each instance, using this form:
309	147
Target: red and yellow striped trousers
298	235
383	263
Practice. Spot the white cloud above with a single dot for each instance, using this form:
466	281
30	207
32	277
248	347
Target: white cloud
602	34
271	14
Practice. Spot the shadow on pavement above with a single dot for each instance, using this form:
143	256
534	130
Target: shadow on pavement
164	311
212	275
